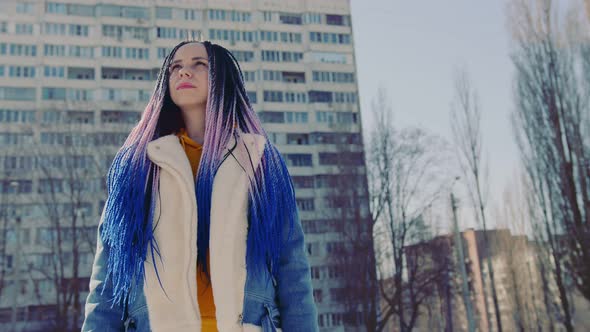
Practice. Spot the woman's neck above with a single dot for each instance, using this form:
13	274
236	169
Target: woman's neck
194	120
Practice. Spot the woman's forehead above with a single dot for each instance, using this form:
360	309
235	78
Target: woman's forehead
190	50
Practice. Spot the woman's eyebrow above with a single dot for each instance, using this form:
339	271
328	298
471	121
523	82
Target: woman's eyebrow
195	58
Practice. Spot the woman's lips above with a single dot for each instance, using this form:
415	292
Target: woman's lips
185	86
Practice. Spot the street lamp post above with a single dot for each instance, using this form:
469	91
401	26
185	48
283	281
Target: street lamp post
16	265
461	260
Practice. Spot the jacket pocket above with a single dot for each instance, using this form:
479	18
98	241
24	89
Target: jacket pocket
271	319
137	321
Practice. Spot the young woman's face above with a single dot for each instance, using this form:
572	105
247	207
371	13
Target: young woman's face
189	76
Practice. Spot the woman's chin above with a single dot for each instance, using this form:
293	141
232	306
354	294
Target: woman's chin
190	104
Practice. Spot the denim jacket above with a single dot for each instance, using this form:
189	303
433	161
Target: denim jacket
244	301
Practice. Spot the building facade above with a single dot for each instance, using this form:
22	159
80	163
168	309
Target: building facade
75	77
527	294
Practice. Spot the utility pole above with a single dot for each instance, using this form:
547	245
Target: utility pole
461	259
16	274
16	265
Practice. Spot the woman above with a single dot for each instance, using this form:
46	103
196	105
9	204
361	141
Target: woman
200	229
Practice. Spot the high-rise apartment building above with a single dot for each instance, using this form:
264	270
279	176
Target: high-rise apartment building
74	78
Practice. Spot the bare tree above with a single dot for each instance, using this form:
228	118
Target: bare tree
519	255
69	181
465	124
407	174
352	253
550	118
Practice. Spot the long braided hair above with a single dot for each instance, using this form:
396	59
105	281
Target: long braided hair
132	180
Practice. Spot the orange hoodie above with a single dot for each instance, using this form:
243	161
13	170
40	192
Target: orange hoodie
193	152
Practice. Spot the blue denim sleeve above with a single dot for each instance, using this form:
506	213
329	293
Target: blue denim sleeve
296	305
98	313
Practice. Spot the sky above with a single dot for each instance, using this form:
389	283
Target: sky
412	48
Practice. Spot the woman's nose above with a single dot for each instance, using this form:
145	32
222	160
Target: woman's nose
182	72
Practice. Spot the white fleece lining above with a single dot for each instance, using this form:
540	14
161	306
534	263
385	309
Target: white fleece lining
177	229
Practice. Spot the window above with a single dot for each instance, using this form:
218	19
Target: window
23	29
50	185
313	250
329	38
51	117
291	19
329	57
22	50
136	53
295	97
345	158
273	96
25	7
291	56
16	186
16	116
80	94
249	76
291	37
334	19
295	117
81	10
345	97
124	11
13	93
299	159
54	50
78	30
56	8
317	295
270	36
334	247
298	139
271	56
305	204
283	37
112	52
302	182
229	15
336	77
272	117
81	51
231	35
52	71
164	13
278	56
166	32
69	9
163	52
252	96
347	117
54	93
243	56
113	31
325	117
313	18
188	34
21	71
320	96
129	117
54	29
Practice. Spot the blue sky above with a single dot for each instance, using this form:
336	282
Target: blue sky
411	48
